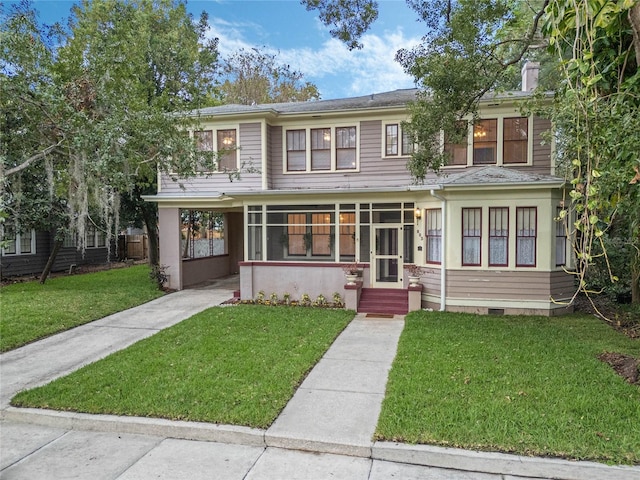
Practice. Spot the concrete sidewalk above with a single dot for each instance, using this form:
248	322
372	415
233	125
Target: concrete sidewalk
325	431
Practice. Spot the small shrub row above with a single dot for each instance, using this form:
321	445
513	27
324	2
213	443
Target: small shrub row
305	300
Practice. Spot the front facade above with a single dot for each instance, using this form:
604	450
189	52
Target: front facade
324	184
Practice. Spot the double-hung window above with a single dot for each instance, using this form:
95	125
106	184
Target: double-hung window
434	235
516	140
471	236
19	243
498	236
485	142
397	141
457	152
227	150
526	234
320	149
296	150
225	145
345	148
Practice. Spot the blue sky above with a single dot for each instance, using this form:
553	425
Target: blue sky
285	27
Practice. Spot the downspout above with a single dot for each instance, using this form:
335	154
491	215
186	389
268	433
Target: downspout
443	262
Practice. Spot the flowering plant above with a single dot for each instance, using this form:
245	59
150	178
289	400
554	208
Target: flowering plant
414	270
350	268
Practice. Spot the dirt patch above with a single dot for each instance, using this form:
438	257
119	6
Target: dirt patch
617	316
626	366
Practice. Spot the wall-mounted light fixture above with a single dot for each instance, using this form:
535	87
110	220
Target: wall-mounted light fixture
418	213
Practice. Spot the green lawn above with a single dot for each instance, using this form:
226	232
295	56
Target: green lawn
233	365
30	311
529	385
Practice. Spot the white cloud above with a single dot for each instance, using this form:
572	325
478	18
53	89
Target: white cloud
336	71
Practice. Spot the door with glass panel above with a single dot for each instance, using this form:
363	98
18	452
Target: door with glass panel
386	257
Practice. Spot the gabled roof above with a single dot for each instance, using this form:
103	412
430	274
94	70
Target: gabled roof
497	176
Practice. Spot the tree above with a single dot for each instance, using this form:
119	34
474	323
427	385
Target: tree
254	77
35	125
474	46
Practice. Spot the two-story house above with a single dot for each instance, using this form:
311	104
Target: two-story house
323	184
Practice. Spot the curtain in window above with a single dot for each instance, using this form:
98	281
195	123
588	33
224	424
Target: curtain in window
498	236
296	150
321	149
526	236
434	236
345	147
392	140
471	240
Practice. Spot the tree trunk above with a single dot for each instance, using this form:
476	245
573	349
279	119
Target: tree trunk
151	222
52	258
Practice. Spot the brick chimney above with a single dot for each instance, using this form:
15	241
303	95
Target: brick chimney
530	72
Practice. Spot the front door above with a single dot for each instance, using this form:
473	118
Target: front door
386	257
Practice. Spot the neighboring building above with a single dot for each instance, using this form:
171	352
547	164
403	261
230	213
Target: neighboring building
323	184
27	252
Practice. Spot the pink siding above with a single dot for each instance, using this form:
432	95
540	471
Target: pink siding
200	270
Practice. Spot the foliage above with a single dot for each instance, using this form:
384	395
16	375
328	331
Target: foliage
30	311
597	116
350	18
254	77
158	273
525	385
232	365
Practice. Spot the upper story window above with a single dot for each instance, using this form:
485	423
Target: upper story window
485	142
397	141
457	152
321	149
493	141
225	145
19	243
516	140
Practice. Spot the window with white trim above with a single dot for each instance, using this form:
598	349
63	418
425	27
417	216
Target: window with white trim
397	141
218	156
19	242
434	235
324	149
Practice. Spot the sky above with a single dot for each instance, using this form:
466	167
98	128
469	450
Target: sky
299	39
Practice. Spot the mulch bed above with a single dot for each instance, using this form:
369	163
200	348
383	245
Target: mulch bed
626	366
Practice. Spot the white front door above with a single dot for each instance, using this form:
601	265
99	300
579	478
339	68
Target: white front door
386	257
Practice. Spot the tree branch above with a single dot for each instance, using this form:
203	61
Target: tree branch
33	159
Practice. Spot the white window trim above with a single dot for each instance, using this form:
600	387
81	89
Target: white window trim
333	168
383	146
214	130
18	246
499	141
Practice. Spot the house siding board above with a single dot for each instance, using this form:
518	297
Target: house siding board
504	285
250	145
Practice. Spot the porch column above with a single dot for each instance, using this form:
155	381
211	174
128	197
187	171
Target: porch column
170	245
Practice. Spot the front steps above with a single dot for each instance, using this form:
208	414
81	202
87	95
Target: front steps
391	301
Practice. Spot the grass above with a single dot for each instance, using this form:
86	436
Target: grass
527	385
31	311
233	365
